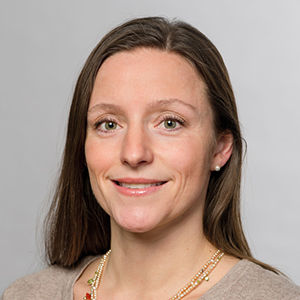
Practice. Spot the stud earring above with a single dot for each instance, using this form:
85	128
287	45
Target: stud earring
217	168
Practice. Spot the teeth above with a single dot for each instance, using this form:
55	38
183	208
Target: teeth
138	185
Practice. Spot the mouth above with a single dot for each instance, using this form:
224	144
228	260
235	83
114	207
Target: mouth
137	187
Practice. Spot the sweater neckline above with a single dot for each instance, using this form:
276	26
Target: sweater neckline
223	284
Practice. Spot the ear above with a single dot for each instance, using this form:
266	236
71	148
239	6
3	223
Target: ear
222	150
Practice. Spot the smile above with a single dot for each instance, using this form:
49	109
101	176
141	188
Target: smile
137	187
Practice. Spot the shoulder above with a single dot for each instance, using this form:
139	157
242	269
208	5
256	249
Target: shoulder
33	286
53	282
249	281
256	282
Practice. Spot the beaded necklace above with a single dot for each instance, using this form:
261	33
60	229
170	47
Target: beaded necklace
190	286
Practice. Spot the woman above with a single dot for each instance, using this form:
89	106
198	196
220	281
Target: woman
151	170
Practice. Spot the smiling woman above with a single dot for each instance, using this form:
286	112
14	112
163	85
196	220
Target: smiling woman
149	186
155	141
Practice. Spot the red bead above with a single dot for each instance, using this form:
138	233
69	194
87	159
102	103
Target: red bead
88	296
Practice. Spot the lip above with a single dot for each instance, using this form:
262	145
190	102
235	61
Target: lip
138	180
138	191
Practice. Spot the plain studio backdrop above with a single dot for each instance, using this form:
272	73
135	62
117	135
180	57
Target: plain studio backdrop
43	47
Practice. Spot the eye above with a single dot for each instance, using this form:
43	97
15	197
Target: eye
106	125
171	123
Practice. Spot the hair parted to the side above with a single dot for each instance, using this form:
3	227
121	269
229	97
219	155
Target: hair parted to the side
76	225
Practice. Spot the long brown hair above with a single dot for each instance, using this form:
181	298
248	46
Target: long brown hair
76	225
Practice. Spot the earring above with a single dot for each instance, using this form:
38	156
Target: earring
217	168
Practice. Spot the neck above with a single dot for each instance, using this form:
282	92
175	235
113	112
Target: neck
141	262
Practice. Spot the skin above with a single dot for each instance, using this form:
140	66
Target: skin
149	117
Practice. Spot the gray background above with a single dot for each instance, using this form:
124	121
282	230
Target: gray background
43	47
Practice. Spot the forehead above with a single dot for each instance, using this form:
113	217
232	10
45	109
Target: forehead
146	74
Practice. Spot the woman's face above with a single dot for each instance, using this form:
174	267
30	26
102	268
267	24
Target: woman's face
150	144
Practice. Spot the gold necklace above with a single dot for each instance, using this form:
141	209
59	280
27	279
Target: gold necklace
190	286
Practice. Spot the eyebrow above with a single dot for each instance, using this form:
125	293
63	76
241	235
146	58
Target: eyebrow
167	102
152	105
106	106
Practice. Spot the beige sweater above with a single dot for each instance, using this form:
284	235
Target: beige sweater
244	281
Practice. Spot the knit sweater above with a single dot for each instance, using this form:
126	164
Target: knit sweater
244	281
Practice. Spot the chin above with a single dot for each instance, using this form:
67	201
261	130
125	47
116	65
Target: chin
136	221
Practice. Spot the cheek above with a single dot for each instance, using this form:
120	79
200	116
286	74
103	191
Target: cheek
188	156
99	159
98	155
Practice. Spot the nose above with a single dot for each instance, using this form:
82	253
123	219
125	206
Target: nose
136	148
